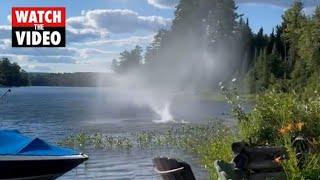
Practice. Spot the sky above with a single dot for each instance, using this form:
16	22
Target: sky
98	30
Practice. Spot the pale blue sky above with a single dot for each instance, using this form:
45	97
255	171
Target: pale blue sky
99	29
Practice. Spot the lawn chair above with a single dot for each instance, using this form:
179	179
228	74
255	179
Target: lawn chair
172	169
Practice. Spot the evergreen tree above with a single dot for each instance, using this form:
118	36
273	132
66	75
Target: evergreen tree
154	50
128	60
11	74
246	45
115	65
292	23
221	19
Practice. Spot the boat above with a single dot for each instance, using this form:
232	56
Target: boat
22	158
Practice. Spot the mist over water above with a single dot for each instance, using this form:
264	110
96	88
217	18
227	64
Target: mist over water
136	91
201	48
160	88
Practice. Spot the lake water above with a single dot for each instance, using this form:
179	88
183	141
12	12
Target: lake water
52	113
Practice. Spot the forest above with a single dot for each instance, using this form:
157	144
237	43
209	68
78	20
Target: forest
11	74
286	59
78	79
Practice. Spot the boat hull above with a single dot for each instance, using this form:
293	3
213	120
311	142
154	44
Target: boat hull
38	167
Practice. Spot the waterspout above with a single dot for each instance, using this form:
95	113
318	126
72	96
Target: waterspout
164	113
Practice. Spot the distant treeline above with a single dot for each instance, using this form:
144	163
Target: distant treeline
79	79
11	74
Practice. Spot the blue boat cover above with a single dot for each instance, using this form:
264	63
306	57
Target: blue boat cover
12	142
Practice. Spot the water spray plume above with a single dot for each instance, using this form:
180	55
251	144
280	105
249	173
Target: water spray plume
164	114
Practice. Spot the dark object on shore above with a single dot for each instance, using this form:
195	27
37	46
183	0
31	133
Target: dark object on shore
258	158
172	169
227	171
22	157
253	162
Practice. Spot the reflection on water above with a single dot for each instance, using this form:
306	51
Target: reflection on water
52	113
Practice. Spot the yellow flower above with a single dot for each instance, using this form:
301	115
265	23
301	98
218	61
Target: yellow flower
299	125
289	128
282	131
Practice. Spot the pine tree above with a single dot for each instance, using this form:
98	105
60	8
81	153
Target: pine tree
292	23
221	20
185	16
154	49
115	65
128	60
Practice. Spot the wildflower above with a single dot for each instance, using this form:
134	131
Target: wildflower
234	80
299	125
289	127
282	131
277	160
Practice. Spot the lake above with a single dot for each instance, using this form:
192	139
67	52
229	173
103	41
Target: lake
52	113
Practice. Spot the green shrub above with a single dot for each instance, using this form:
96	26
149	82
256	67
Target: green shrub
276	119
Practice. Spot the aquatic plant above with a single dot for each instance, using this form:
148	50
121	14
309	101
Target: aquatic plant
209	141
83	141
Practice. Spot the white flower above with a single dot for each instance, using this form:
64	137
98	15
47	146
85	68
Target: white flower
234	80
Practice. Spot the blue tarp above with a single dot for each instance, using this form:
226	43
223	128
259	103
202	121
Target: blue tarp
12	142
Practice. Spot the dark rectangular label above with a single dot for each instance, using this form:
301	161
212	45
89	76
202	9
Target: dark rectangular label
28	37
38	27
